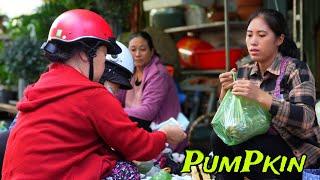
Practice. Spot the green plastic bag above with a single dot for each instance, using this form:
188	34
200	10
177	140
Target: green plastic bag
162	175
239	119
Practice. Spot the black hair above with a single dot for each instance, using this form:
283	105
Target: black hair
59	51
146	36
278	25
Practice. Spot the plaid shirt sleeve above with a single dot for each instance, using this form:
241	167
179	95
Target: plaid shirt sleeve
298	109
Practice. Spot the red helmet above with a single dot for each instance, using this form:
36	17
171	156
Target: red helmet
77	24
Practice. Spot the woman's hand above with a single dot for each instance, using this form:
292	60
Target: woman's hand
249	90
226	81
174	134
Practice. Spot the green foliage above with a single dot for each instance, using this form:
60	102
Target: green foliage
41	20
3	74
22	57
116	11
6	78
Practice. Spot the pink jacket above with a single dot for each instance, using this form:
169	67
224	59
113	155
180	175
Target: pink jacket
159	99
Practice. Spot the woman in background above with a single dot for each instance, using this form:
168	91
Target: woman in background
154	97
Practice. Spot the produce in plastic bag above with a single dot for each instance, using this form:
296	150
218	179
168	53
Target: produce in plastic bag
144	166
239	119
162	175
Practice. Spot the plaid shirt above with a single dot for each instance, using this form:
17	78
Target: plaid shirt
293	115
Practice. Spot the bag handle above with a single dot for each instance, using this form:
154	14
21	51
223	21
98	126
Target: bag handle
234	76
283	65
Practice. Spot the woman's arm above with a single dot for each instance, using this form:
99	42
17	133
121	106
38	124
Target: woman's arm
299	110
120	133
249	90
226	81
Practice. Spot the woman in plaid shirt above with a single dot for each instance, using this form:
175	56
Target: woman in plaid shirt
294	130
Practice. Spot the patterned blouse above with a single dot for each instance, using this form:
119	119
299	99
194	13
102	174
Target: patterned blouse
293	114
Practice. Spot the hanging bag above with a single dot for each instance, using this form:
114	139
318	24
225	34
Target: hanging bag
239	119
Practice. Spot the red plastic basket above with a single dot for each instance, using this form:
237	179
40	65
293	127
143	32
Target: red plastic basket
215	59
187	46
170	70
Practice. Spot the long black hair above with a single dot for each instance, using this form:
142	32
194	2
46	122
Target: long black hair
146	36
278	25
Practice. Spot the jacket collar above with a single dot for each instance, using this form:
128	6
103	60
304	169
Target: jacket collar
274	68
